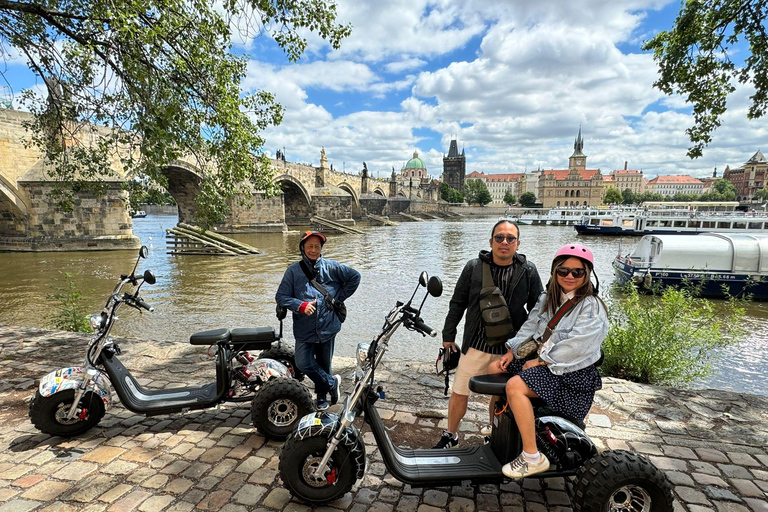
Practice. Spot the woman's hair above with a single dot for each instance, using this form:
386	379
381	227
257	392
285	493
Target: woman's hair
554	290
502	221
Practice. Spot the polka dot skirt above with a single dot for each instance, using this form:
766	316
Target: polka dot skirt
571	393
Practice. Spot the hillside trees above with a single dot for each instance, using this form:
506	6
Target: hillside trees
161	75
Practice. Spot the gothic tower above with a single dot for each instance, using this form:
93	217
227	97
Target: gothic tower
578	160
454	167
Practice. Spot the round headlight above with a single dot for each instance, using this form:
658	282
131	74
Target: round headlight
362	354
97	321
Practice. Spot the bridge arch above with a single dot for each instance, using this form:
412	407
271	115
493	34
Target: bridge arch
297	201
13	210
346	187
184	186
379	191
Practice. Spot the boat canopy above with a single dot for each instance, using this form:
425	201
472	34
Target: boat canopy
717	252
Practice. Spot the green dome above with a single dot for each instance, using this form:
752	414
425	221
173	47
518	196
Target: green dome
415	162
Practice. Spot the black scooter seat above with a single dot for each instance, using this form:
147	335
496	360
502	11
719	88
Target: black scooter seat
246	334
209	337
494	384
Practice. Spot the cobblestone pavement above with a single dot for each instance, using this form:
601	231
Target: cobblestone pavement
711	444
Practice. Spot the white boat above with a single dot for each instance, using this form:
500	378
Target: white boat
139	214
558	216
721	263
637	221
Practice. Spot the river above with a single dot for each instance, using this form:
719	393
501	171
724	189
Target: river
196	293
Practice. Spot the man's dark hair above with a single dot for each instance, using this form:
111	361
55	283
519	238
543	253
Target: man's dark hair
502	221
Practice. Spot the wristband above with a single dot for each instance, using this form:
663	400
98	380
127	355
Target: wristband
303	307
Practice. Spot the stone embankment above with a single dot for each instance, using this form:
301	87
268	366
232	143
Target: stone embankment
711	444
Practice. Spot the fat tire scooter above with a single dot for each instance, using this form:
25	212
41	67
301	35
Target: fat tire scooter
324	457
72	400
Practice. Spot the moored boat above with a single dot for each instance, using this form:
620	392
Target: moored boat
721	264
139	214
637	221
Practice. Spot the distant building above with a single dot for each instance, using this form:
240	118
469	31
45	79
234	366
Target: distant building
628	179
414	168
454	167
670	185
575	186
749	178
498	184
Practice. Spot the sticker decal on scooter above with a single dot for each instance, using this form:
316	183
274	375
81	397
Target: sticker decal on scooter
308	421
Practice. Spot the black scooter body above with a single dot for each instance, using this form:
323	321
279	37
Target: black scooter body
482	464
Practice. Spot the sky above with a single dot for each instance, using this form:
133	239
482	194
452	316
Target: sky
511	81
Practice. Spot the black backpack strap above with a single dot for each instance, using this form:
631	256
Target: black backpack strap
311	277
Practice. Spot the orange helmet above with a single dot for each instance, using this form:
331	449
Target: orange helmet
306	236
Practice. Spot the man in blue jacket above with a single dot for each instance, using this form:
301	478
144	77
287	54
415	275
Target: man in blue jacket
315	318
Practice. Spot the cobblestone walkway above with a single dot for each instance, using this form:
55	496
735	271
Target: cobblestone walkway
711	444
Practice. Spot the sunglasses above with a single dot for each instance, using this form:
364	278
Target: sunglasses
509	238
575	272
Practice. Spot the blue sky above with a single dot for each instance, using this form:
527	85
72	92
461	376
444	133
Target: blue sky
511	80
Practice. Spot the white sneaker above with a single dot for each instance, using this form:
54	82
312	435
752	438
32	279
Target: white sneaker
486	430
521	468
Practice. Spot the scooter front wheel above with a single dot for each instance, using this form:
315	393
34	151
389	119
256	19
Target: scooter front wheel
49	413
279	405
621	481
299	460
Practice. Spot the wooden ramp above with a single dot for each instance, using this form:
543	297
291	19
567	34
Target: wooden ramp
325	223
411	217
188	239
384	221
431	216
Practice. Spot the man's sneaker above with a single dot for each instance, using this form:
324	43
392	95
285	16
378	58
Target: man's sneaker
447	440
486	430
321	404
521	468
335	389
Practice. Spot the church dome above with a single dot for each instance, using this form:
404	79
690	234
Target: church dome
415	162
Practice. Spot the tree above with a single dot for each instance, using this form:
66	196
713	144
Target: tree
509	198
613	196
450	194
628	196
153	81
527	199
726	189
694	60
762	194
475	192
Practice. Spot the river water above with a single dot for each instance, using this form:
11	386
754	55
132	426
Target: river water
196	293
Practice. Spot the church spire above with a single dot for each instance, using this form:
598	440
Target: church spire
578	159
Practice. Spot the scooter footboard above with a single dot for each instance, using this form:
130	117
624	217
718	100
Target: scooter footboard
431	467
72	378
324	424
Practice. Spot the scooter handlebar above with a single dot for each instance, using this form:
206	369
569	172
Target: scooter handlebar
424	328
142	304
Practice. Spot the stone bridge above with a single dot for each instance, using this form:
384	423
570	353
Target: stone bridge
30	219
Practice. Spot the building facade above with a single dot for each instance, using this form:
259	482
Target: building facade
628	179
749	178
668	186
575	186
454	167
499	184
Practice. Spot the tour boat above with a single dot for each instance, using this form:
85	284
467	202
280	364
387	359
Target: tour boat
672	221
563	216
722	264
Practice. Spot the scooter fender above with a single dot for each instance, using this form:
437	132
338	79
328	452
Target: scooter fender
266	369
566	436
72	378
324	424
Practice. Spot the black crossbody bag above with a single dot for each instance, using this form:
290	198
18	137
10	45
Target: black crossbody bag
338	307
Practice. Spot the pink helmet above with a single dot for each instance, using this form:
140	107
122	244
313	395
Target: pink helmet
577	250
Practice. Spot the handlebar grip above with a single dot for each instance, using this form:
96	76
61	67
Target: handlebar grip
421	326
144	305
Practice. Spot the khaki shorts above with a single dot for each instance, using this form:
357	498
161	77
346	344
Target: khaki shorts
474	362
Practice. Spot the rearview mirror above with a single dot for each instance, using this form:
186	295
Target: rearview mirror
423	278
143	252
435	286
149	277
280	312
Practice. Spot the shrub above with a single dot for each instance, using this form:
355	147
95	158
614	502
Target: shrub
668	339
70	314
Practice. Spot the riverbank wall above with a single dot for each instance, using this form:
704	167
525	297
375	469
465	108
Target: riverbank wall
711	444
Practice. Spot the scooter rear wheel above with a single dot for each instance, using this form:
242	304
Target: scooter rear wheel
279	405
300	458
286	356
621	481
49	413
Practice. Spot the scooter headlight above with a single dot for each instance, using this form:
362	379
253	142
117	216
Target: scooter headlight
97	322
362	354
